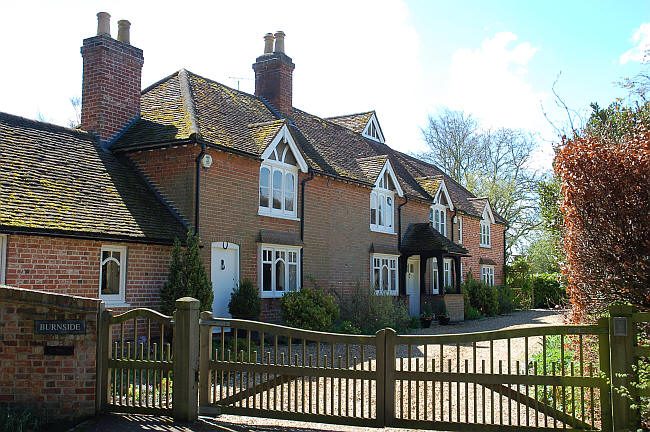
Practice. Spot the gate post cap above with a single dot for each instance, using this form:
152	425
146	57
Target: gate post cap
188	303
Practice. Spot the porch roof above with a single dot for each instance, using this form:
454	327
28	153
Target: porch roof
423	239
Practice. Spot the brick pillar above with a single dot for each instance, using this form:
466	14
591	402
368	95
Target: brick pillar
274	76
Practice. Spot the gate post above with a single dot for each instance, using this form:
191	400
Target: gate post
103	354
186	360
622	334
205	346
605	370
386	376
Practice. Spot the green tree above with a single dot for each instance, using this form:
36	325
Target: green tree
186	278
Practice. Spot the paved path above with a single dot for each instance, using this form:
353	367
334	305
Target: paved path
226	423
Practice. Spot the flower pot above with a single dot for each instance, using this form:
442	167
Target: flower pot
443	319
425	322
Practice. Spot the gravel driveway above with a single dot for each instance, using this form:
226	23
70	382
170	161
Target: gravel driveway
129	423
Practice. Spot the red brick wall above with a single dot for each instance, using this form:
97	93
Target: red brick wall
111	86
71	266
471	232
55	387
173	172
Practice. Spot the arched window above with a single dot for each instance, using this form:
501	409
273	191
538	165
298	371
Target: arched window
278	183
384	274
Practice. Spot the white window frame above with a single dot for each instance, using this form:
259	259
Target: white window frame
435	288
273	249
3	259
380	196
447	273
438	218
460	230
391	263
284	169
485	239
120	298
487	274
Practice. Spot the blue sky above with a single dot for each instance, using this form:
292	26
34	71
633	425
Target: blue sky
405	59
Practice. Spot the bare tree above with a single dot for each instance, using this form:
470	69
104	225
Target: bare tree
76	106
453	138
491	163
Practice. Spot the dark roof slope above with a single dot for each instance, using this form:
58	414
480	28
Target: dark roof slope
423	238
186	102
54	179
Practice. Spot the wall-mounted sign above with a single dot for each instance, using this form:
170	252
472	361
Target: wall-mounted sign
60	326
58	350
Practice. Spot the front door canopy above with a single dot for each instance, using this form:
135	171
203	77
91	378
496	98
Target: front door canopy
421	239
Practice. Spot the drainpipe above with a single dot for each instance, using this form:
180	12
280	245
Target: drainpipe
302	220
399	222
197	198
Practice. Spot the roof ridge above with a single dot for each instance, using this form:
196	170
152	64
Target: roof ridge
433	177
188	102
42	125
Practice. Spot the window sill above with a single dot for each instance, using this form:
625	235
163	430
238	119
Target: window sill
386	293
274	295
278	216
485	246
383	231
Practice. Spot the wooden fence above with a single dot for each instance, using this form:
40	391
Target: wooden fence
536	377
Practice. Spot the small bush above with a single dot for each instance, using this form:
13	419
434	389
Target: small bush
471	313
245	301
414	323
427	310
547	290
17	419
482	297
309	308
506	299
371	312
345	327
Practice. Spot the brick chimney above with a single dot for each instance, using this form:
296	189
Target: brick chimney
112	70
274	74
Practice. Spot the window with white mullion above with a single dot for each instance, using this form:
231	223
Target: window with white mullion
438	218
485	235
487	275
279	270
384	274
382	209
278	186
460	230
112	274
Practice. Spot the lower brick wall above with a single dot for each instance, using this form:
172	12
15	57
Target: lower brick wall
455	306
55	387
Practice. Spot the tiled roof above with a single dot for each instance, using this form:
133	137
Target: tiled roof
430	184
372	166
185	103
354	122
423	238
55	179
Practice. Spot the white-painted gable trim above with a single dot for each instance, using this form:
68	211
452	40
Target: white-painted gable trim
286	135
373	121
442	189
487	211
388	167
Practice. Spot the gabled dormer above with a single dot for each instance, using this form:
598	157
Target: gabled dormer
281	160
372	130
441	201
379	170
364	123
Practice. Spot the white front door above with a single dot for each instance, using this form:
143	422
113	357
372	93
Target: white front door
225	276
413	285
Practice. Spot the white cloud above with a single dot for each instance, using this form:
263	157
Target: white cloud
490	82
641	41
350	56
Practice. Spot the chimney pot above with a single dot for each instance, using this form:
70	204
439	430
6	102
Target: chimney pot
279	41
104	24
123	31
268	43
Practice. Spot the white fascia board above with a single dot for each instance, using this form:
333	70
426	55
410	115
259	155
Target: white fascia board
284	133
488	210
373	119
442	189
388	167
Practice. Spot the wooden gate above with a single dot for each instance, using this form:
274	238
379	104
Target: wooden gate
137	362
499	380
257	369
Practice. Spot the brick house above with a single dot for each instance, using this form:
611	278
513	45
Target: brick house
276	194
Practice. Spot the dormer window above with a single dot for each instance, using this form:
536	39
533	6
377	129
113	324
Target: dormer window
278	192
372	130
438	211
485	236
382	201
